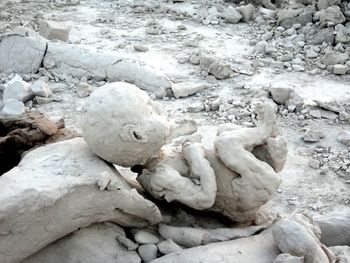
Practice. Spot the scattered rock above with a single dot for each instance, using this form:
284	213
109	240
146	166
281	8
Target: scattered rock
168	246
344	138
54	30
232	15
314	164
21	39
332	15
41	88
13	107
42	100
281	95
216	67
148	252
340	69
247	12
84	90
313	135
141	48
145	237
332	58
335	228
17	90
182	90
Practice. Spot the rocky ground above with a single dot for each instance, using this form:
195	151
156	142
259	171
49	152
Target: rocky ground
220	57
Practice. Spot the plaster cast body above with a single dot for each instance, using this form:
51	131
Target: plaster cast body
123	126
235	178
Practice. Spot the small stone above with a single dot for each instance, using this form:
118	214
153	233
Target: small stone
141	48
145	237
216	104
281	95
54	30
311	54
339	69
84	90
182	90
17	90
148	252
247	12
13	107
313	136
344	138
168	246
41	100
314	164
333	58
316	114
196	107
332	15
40	88
232	15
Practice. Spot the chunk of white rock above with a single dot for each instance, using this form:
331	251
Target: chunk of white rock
17	90
232	15
145	237
21	51
335	228
95	243
182	90
281	95
168	246
54	30
54	191
344	138
41	88
247	12
313	135
339	69
148	252
13	108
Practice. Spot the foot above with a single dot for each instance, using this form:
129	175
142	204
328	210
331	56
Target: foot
266	114
277	149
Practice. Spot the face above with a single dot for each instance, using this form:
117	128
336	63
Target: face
123	125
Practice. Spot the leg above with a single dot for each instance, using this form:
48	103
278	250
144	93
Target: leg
257	181
166	182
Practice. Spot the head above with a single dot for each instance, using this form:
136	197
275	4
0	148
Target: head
123	125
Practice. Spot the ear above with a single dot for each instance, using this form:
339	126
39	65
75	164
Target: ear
132	132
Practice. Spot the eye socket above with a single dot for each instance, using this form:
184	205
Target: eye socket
137	136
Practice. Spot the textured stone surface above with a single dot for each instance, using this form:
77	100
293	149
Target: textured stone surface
95	243
54	191
21	51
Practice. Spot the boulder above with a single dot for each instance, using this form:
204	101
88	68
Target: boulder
40	88
332	14
17	90
247	11
21	51
13	107
59	188
168	246
333	57
95	243
335	228
232	15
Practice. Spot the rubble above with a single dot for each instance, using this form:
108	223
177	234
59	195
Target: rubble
54	30
13	107
17	90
